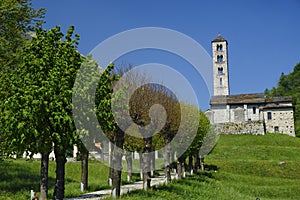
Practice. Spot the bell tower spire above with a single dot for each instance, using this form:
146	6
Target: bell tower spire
220	66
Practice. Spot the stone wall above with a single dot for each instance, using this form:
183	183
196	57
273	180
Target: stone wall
249	127
279	120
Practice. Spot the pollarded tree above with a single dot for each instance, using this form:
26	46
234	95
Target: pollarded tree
93	94
151	107
86	79
196	127
38	113
103	102
173	109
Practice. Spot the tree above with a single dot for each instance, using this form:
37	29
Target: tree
168	132
86	79
17	19
104	100
289	85
40	101
129	83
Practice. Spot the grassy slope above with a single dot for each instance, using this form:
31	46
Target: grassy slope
246	168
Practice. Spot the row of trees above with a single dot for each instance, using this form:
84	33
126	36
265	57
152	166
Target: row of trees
289	85
38	73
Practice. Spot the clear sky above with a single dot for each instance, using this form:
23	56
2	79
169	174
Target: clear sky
263	36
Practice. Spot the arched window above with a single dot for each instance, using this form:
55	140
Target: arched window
219	47
220	58
221	81
220	70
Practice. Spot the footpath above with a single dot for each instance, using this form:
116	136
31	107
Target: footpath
124	189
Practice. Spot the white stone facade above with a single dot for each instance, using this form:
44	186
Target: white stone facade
220	66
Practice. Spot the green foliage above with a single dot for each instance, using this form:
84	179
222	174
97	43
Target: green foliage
289	85
195	122
103	101
38	110
17	19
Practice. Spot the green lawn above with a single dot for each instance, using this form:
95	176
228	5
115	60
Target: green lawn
240	167
19	176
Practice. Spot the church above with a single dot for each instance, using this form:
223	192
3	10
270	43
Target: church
244	113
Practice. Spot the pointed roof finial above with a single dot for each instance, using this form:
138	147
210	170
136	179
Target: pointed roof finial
219	38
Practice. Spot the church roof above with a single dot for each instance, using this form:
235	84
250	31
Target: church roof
219	38
255	98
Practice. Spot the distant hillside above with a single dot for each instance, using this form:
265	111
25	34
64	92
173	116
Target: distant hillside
289	85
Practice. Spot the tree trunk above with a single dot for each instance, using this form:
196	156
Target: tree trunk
179	170
167	161
128	157
59	190
183	168
180	167
202	163
172	156
196	162
147	163
117	163
141	165
84	167
111	165
152	163
44	176
190	163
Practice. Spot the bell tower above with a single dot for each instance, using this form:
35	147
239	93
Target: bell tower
220	66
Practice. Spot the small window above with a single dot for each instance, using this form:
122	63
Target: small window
219	47
254	110
220	58
269	115
221	81
276	129
220	70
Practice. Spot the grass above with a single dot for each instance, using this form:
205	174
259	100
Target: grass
20	176
240	167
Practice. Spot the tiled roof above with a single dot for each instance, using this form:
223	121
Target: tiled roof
256	98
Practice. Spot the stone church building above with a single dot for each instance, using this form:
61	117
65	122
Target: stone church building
245	113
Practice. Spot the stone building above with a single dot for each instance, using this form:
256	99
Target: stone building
245	113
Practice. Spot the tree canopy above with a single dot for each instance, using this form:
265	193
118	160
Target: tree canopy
17	20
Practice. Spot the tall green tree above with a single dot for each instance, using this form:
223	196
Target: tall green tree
17	20
289	85
38	112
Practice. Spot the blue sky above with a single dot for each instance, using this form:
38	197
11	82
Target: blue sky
263	36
